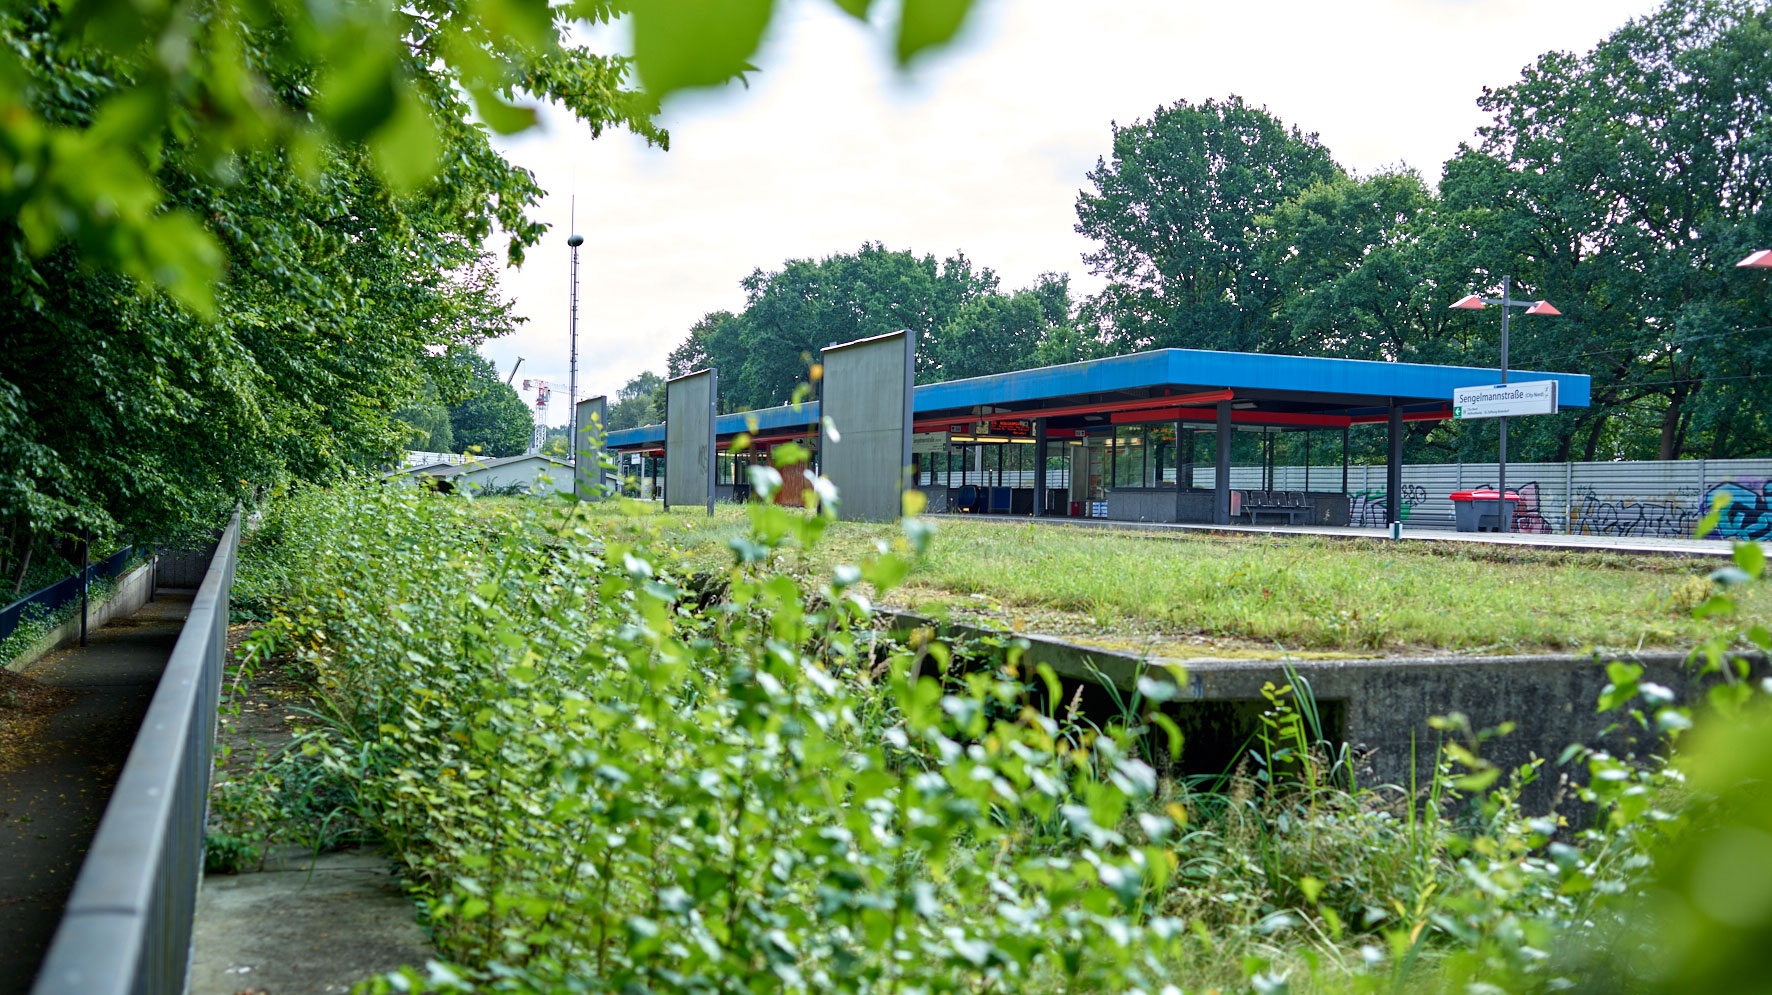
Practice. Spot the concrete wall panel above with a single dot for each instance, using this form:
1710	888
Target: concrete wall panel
867	397
587	448
689	440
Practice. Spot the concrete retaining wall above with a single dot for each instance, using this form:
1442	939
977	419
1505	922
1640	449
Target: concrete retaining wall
131	593
1384	705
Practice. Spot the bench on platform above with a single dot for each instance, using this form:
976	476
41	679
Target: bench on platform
1294	505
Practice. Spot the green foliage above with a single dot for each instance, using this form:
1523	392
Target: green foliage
1174	210
996	333
633	405
1623	184
491	420
592	768
37	622
763	352
599	770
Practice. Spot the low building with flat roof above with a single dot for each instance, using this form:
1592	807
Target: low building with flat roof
1142	437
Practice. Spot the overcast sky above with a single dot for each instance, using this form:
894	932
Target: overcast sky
982	147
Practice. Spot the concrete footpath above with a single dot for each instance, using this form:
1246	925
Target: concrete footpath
302	925
56	778
305	926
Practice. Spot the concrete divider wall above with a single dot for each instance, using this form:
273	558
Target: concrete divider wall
867	399
130	593
689	440
588	417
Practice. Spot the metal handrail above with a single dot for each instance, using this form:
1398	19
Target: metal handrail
62	591
127	925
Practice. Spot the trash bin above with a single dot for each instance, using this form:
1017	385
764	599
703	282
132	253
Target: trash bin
1475	511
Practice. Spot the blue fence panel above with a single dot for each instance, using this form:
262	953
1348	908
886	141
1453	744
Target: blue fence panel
127	926
61	592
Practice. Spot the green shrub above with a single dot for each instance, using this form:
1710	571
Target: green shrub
600	774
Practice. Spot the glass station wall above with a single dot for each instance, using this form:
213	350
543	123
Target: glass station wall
993	464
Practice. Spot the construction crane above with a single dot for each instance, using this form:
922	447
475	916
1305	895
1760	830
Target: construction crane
513	375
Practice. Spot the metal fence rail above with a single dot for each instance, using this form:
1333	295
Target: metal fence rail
62	591
127	926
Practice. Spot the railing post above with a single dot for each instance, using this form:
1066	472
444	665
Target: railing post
1568	497
85	579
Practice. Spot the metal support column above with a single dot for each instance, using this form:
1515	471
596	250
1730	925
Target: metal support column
1344	459
1039	468
1184	471
1221	478
1393	467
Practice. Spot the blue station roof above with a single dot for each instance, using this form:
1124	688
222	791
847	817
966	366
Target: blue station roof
1315	383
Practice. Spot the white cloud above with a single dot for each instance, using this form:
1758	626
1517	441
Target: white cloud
982	148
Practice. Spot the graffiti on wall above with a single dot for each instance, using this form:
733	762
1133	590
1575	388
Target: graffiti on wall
1367	508
1749	514
1676	515
1666	515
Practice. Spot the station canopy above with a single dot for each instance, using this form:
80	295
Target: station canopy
1273	391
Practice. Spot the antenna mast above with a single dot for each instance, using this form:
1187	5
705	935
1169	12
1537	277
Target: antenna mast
575	240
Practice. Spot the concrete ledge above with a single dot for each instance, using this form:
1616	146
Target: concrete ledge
1384	703
126	598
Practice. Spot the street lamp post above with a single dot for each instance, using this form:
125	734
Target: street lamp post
1474	302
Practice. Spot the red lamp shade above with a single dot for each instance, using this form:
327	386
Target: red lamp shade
1469	302
1542	307
1759	260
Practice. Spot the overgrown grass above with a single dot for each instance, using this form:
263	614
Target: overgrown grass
1214	595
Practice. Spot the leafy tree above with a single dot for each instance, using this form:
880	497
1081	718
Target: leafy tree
1622	185
431	432
492	419
227	78
996	333
791	314
633	402
1174	211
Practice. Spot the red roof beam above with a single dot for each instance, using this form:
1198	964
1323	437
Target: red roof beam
1292	418
1440	415
1203	397
1237	417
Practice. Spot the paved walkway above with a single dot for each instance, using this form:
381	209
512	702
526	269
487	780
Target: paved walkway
304	926
52	797
1607	544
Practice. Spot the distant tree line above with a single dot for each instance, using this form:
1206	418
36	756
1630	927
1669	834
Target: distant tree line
1621	185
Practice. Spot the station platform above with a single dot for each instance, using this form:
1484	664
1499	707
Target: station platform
1651	545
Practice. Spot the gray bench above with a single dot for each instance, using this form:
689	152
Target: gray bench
1294	505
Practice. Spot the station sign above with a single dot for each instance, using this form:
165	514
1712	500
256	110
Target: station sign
1505	400
1018	428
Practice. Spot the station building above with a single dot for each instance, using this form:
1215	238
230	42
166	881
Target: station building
1149	436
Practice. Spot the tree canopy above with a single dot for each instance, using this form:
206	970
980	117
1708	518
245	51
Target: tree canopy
1174	212
491	419
237	236
1620	184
